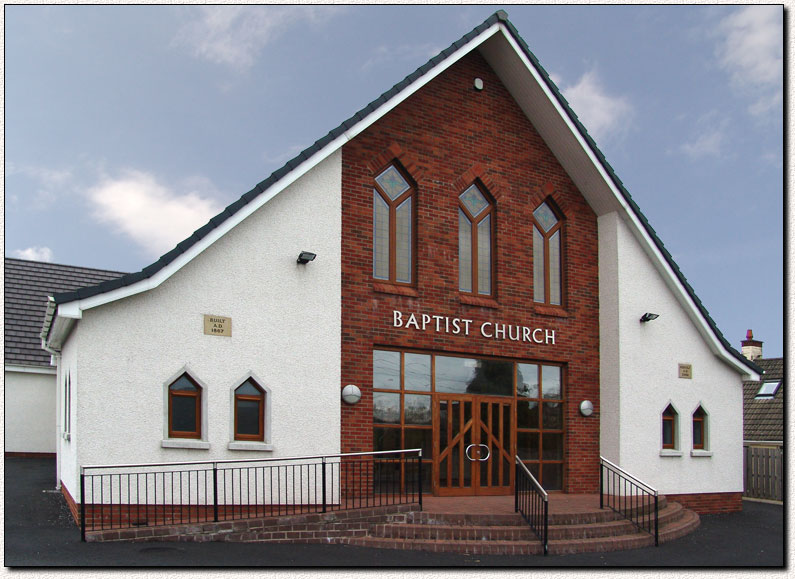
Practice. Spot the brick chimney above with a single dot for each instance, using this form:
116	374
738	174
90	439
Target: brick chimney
752	349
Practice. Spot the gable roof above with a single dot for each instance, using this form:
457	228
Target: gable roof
27	285
763	418
530	85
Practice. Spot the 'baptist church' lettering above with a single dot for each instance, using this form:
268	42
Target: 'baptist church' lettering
463	326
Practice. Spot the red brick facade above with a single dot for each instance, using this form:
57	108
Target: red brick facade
710	503
446	136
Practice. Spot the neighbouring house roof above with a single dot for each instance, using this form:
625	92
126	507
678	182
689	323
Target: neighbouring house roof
505	50
763	417
27	285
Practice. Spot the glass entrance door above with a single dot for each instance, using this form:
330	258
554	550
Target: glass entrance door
473	449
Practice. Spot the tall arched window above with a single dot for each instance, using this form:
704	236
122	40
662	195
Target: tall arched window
184	408
699	429
249	411
475	241
393	217
547	268
669	427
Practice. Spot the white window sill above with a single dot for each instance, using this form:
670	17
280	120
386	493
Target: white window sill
697	452
249	445
180	443
670	452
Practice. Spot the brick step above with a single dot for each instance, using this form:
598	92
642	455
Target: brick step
530	547
597	515
460	519
453	532
686	523
634	540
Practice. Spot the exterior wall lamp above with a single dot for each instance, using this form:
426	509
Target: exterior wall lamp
351	394
586	407
306	257
647	317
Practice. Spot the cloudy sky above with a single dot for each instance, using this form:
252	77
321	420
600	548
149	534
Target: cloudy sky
127	127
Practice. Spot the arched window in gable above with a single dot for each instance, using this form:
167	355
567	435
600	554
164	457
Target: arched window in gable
669	428
699	429
184	408
547	257
475	242
393	219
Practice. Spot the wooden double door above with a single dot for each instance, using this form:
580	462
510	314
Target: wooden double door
473	445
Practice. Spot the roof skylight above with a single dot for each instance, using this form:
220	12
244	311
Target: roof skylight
768	389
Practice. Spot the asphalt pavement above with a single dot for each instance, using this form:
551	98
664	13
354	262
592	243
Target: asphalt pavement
39	531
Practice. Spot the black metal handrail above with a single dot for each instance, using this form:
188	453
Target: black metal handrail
629	496
532	501
152	494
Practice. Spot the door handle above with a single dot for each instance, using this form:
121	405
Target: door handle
488	453
466	452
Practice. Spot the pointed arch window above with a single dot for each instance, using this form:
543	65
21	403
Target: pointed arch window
547	266
393	219
184	408
249	411
475	242
699	429
669	426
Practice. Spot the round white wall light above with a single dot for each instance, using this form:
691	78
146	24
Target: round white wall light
351	394
478	84
586	407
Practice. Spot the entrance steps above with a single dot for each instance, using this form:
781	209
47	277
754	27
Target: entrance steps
445	525
508	534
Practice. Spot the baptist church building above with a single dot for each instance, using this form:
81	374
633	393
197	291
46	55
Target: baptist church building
460	255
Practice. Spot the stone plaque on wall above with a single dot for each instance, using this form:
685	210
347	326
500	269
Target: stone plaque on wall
686	371
217	325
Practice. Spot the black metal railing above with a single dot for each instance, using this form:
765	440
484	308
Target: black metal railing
135	495
629	496
532	501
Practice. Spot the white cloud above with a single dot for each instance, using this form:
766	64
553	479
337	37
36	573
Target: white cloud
710	137
236	35
751	49
152	215
605	116
35	253
50	184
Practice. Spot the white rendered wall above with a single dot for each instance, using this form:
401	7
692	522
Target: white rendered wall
286	330
650	355
29	412
67	464
609	358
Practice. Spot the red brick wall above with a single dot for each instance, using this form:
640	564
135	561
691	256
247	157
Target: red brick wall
710	503
446	135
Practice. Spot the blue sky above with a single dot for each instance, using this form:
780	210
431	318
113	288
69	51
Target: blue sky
127	127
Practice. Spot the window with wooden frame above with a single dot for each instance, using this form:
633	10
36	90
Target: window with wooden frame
475	242
250	411
699	429
669	428
184	408
547	258
393	227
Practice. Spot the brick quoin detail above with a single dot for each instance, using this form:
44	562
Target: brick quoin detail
710	503
446	135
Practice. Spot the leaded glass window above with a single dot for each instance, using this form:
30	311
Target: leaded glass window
393	236
475	241
547	260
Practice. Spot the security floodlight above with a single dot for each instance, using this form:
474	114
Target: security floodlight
647	317
306	257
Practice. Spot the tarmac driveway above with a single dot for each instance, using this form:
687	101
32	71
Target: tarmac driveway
39	531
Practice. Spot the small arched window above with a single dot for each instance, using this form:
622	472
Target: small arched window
250	411
393	217
699	429
184	408
547	263
669	428
475	241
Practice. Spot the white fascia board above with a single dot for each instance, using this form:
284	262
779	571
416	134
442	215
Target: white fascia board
650	247
74	309
30	369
